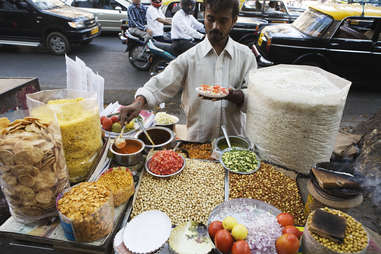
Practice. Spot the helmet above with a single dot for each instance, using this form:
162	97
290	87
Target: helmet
188	6
156	3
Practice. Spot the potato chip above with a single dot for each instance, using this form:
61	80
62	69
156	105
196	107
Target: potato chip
26	180
9	180
32	128
6	157
23	158
24	192
4	123
44	197
45	180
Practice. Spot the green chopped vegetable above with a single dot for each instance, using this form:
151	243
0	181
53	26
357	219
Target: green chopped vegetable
240	160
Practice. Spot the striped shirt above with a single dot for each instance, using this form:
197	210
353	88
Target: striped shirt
137	16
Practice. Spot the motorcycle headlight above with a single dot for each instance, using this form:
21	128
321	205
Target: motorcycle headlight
77	24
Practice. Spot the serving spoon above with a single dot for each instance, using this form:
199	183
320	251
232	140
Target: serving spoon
226	135
145	131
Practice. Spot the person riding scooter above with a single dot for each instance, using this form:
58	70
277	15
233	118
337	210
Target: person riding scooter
137	22
156	21
185	28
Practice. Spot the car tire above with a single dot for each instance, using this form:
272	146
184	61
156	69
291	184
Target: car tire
134	53
87	42
58	43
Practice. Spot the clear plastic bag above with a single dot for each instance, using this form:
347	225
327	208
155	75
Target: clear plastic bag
32	168
77	115
294	114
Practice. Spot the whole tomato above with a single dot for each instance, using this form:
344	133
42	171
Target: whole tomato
214	227
114	119
102	118
287	244
292	230
285	219
241	247
223	241
107	123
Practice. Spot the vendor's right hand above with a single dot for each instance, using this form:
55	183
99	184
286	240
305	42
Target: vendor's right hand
127	113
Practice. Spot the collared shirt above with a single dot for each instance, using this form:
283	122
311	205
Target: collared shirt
201	65
137	16
153	14
185	26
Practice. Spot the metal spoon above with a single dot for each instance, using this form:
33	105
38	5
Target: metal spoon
226	135
145	131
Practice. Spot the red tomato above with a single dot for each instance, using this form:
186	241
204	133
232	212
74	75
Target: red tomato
102	118
214	227
114	119
223	241
287	244
292	230
165	162
241	247
107	123
285	219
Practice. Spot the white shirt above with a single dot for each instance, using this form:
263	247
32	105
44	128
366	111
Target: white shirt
201	65
185	26
152	15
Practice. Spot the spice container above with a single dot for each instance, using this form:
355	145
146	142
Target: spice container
131	154
162	137
78	118
86	212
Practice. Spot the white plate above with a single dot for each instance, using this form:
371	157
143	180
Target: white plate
210	94
147	232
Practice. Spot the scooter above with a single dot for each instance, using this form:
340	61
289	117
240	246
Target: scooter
161	55
138	53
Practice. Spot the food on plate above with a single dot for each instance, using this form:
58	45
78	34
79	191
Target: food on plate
191	195
239	232
103	118
287	244
32	168
107	124
223	241
116	127
162	118
215	91
120	182
241	247
355	240
271	186
130	146
87	211
114	119
80	129
113	124
285	219
240	160
292	230
229	222
165	162
198	151
214	227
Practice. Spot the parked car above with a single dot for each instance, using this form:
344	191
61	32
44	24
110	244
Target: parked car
261	9
244	31
340	38
49	23
109	13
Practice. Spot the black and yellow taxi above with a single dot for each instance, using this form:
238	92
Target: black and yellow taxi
341	38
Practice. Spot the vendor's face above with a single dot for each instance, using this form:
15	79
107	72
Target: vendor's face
218	24
136	2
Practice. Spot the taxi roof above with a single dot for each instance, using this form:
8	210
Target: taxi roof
341	11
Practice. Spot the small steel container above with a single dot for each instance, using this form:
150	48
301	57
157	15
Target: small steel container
129	159
221	141
163	138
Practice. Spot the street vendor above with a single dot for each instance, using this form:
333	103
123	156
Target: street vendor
217	60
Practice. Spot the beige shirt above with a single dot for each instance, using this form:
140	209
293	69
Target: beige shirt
201	65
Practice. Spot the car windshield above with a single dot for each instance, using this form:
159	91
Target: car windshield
48	4
312	23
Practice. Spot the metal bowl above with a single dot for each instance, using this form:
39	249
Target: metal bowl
242	173
129	159
163	176
245	142
157	133
170	126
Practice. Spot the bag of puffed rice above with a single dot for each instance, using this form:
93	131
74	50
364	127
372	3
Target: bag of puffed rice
294	114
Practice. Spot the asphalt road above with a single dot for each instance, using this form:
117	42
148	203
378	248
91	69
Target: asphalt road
106	56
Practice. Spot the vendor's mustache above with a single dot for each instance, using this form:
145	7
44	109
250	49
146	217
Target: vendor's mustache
215	32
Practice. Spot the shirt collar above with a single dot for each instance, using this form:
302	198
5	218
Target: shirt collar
206	47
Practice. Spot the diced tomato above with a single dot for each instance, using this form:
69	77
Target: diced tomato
165	162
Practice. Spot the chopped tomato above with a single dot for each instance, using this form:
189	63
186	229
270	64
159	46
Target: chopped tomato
165	162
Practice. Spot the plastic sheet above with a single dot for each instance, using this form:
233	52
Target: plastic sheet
294	114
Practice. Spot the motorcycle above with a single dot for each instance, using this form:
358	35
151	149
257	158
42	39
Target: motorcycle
161	55
138	53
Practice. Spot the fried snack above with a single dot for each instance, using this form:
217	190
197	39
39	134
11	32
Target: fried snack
81	133
120	182
87	210
31	165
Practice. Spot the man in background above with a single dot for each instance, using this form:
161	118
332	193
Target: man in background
156	20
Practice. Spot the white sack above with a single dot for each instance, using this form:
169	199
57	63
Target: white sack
294	114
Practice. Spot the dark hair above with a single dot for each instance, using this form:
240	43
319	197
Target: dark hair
220	5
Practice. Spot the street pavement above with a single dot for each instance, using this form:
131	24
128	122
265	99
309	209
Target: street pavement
106	56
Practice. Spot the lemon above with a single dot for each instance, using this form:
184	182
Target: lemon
239	232
229	222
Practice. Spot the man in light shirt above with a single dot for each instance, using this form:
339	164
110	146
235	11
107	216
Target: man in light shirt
185	28
156	20
137	22
217	60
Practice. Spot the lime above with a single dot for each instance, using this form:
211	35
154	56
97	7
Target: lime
229	222
239	232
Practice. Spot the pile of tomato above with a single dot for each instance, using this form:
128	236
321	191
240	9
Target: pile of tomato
165	162
289	241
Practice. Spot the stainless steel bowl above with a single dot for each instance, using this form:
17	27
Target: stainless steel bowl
242	173
129	159
246	144
163	176
163	138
